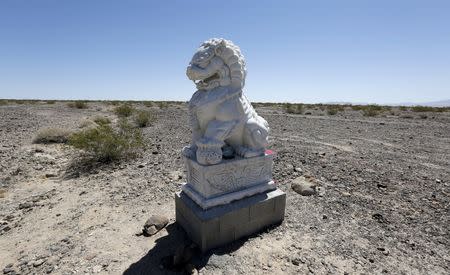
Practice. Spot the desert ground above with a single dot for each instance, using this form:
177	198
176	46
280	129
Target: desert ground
382	205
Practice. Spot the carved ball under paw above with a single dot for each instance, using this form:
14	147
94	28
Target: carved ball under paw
189	151
209	156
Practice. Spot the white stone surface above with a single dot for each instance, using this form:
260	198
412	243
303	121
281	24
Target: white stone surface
229	175
205	203
222	118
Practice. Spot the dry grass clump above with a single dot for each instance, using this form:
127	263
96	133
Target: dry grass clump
101	120
372	110
163	104
50	101
105	143
124	110
332	111
293	108
2	193
148	103
429	109
52	135
144	118
78	104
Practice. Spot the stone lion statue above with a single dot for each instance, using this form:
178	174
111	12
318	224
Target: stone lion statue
223	121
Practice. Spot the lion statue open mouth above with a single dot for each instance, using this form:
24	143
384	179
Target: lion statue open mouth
223	121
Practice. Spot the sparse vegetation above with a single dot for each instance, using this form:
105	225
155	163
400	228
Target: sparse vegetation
143	118
403	108
372	110
124	110
101	120
293	108
50	101
148	103
52	135
79	104
3	102
423	109
2	193
332	111
357	107
105	143
163	104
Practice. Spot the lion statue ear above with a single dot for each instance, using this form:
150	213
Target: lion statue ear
219	48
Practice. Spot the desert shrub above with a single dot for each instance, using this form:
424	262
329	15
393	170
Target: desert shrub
50	101
143	118
371	110
423	109
357	107
293	108
124	110
403	108
52	135
147	103
105	143
163	104
332	111
87	123
3	102
78	104
101	120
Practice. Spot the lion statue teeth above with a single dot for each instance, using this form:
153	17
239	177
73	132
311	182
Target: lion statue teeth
223	121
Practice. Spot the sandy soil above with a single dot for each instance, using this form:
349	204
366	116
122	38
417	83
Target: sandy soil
383	205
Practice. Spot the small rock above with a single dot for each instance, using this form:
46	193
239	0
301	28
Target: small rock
97	269
154	224
141	165
8	270
38	262
303	186
49	269
25	205
298	169
381	185
438	181
379	218
50	175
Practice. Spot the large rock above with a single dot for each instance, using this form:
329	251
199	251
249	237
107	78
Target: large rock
303	186
154	224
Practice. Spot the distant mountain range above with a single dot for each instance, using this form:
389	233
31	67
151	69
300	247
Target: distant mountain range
441	103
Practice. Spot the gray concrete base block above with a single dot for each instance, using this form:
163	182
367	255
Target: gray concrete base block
223	224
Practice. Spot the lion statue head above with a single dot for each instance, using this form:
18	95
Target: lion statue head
217	63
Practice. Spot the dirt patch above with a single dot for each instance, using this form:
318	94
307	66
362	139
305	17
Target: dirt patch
383	206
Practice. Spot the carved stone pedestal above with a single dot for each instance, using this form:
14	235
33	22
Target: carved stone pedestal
227	201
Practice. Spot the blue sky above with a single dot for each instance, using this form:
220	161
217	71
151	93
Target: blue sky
300	51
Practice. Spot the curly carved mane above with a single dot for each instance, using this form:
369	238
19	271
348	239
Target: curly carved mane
233	58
